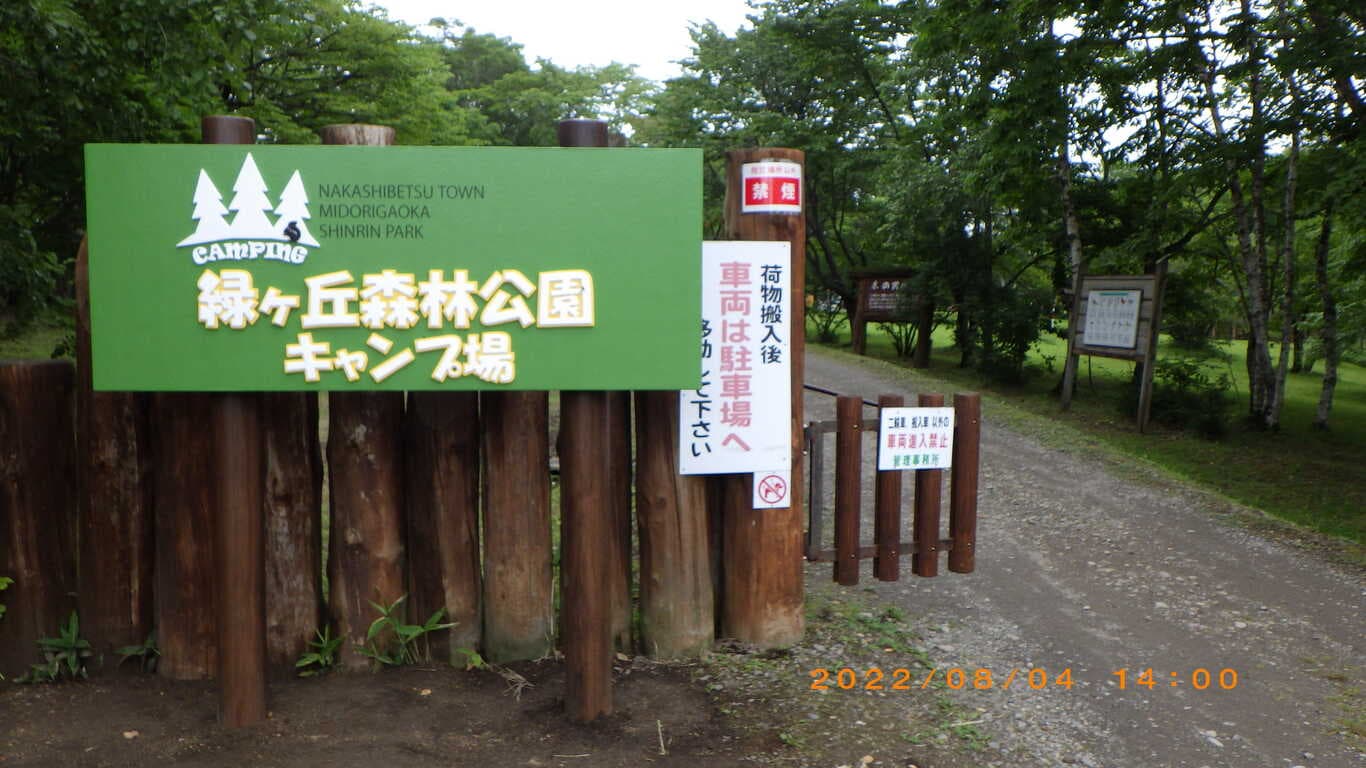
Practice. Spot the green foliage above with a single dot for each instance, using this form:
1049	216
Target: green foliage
5	582
1185	395
1010	325
825	311
146	653
390	642
64	656
322	657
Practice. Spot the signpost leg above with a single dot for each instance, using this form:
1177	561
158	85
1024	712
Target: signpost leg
239	497
588	532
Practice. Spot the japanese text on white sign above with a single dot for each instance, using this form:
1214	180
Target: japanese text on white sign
739	419
1112	319
915	438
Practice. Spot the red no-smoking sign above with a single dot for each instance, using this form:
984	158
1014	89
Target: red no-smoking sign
772	490
773	186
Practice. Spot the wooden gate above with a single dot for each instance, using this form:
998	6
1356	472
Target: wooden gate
925	544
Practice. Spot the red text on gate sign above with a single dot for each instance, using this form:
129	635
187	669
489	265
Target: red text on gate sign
772	186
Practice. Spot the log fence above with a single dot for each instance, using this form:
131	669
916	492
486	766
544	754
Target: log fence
200	516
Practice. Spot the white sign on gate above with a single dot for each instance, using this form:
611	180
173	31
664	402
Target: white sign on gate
915	438
739	419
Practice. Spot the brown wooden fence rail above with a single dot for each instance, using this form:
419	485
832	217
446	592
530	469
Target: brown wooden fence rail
850	429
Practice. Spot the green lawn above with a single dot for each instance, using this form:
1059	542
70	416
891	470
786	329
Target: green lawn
1310	477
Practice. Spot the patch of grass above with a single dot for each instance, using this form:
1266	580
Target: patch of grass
1310	477
36	342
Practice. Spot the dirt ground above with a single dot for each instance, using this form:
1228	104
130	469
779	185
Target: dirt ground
1085	562
410	717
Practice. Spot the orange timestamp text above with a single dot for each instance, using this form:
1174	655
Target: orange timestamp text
955	678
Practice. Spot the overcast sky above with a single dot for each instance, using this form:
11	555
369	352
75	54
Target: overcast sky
651	34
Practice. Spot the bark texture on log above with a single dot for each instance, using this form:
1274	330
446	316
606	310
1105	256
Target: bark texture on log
586	562
114	500
518	617
677	613
183	507
365	484
441	451
293	525
37	506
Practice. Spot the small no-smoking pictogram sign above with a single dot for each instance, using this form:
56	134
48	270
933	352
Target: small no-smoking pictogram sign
772	490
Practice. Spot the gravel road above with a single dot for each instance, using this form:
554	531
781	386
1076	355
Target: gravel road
1088	565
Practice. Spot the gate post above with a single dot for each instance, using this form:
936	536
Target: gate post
848	498
967	440
762	549
887	520
928	496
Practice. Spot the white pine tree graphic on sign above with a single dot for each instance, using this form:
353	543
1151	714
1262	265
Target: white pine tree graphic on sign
209	212
250	202
293	213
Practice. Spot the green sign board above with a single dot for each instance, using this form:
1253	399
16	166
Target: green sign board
217	268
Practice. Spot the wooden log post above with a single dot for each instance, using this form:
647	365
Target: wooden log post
967	445
928	497
441	453
37	506
677	613
620	469
518	602
239	500
887	512
365	484
848	495
293	512
762	549
182	506
113	501
589	531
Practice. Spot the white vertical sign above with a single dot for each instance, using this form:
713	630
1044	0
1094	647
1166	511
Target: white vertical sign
739	420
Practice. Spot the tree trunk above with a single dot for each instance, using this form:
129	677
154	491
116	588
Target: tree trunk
1259	369
1288	319
1329	333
